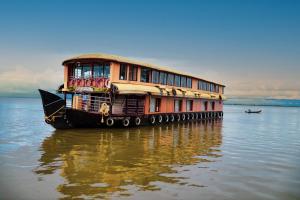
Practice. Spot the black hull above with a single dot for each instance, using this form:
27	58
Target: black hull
54	110
60	117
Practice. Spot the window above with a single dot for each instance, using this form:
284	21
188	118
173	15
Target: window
212	87
177	80
145	75
189	82
123	72
155	104
155	76
183	81
203	85
87	71
202	108
205	105
212	105
77	72
217	88
177	105
189	105
106	71
170	79
133	73
98	70
163	78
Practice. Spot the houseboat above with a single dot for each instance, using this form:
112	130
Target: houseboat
107	90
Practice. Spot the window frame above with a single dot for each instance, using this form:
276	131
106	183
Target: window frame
168	79
163	78
125	66
191	102
105	66
177	82
155	76
84	66
133	76
189	80
182	81
148	73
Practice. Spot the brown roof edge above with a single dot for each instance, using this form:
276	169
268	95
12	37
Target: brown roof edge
121	59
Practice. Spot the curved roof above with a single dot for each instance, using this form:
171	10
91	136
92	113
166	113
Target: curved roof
121	59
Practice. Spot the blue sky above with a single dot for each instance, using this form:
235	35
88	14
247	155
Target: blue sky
251	46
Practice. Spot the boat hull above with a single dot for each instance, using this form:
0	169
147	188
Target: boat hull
249	112
61	117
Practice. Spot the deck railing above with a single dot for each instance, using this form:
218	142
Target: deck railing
90	103
100	82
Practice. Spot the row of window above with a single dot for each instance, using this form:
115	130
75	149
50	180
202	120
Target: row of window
92	70
202	85
147	76
154	76
155	105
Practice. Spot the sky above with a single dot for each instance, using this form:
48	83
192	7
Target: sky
251	46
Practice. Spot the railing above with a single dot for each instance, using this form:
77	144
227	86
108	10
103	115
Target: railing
90	103
99	82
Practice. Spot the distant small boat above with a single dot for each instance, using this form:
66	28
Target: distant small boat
253	111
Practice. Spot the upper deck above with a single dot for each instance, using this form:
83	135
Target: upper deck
98	71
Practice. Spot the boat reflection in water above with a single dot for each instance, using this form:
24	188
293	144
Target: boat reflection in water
99	163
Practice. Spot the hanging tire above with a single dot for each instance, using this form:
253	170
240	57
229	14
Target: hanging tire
172	118
126	122
137	121
192	116
167	118
183	117
196	116
152	119
110	121
178	117
187	116
159	119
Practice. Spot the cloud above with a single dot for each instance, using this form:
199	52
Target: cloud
23	80
45	71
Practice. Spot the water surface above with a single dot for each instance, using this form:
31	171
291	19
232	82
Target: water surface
243	156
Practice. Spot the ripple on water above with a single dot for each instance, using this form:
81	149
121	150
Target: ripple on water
241	157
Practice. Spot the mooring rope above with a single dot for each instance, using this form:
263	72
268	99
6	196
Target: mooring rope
51	117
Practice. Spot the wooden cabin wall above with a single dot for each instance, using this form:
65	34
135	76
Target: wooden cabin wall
119	104
163	104
114	71
147	105
196	105
218	105
169	104
66	76
183	106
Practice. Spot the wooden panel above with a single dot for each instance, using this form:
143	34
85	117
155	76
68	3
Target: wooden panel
134	105
118	105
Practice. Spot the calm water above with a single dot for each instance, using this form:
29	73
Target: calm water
254	156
